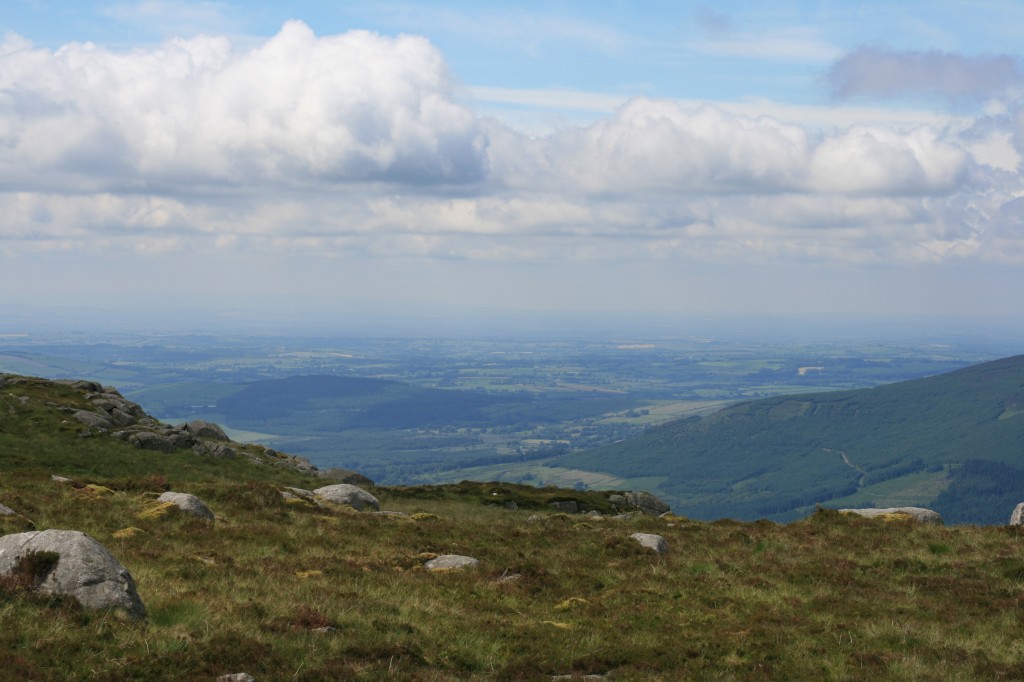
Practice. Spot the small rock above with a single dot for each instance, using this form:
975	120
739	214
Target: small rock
451	562
236	677
190	504
7	511
347	494
326	630
301	492
651	541
59	479
566	506
507	577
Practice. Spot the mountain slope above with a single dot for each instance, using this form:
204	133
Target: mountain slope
778	457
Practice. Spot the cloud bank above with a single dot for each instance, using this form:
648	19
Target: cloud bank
361	145
877	72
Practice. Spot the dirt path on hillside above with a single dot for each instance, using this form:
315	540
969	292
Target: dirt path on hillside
847	462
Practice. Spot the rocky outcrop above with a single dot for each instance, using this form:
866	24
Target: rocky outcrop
451	562
1017	516
190	504
651	541
348	494
110	408
647	503
893	513
73	564
104	411
638	501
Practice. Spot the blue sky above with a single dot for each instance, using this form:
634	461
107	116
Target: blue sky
672	157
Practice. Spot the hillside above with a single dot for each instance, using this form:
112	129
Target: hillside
282	587
899	444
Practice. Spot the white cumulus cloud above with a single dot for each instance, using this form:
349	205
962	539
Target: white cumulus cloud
299	109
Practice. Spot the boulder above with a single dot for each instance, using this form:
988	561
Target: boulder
1017	517
651	541
348	494
82	385
201	428
190	504
147	440
84	569
915	513
451	562
345	476
565	506
7	511
93	420
646	502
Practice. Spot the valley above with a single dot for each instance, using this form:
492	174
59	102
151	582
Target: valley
540	411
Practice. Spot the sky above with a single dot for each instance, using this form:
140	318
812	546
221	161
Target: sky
672	158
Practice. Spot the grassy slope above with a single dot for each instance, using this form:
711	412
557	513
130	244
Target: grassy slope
777	457
829	597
